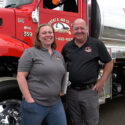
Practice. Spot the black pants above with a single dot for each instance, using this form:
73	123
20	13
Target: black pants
83	106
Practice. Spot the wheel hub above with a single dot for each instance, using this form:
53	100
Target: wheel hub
10	112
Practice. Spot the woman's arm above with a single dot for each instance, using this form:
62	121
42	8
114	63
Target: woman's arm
21	78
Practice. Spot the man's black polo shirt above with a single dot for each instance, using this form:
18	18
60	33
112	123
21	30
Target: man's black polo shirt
83	62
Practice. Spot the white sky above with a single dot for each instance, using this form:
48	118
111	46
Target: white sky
113	12
114	2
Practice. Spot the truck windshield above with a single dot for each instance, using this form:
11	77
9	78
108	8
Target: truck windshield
63	5
12	3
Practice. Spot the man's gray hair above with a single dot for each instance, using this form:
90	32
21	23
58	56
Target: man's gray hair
76	21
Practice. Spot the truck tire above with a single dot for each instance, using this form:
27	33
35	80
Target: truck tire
10	99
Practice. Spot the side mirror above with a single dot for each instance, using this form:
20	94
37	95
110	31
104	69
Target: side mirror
35	16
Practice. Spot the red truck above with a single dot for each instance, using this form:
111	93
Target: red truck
19	20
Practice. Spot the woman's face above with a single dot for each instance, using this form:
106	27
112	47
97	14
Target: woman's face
46	36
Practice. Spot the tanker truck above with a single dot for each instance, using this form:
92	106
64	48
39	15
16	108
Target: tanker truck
19	20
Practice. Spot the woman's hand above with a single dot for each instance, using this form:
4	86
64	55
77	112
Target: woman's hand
31	100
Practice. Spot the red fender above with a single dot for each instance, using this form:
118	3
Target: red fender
11	47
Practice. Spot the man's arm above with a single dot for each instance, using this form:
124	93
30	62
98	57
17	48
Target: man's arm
101	82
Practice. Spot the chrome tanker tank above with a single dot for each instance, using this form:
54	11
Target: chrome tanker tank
108	24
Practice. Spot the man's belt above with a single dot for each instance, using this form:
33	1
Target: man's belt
83	86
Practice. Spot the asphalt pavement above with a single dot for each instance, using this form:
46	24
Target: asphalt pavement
113	112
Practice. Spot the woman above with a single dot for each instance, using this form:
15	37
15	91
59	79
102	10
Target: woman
40	72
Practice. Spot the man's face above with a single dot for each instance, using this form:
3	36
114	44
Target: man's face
80	30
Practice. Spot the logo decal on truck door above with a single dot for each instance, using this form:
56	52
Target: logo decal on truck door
62	28
61	25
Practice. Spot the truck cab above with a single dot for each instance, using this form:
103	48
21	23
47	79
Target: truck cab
19	20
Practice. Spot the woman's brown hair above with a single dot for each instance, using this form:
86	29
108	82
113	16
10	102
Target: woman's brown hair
37	42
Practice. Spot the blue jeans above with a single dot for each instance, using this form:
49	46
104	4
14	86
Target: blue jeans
34	114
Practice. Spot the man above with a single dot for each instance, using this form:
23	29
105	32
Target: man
82	56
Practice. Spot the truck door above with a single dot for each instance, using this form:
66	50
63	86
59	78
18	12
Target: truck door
60	16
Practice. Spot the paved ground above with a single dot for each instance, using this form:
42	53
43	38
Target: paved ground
113	112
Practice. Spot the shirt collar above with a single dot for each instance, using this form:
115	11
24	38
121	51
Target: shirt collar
74	45
46	50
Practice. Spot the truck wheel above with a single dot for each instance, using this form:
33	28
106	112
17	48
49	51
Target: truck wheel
10	99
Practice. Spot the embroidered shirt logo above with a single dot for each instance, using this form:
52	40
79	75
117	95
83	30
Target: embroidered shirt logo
88	49
58	57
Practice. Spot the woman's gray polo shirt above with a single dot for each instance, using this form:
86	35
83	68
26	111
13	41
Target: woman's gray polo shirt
45	74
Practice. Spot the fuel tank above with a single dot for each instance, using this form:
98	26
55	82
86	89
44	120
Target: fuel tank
108	21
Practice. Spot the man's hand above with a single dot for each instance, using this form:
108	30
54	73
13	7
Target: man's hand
101	82
99	86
